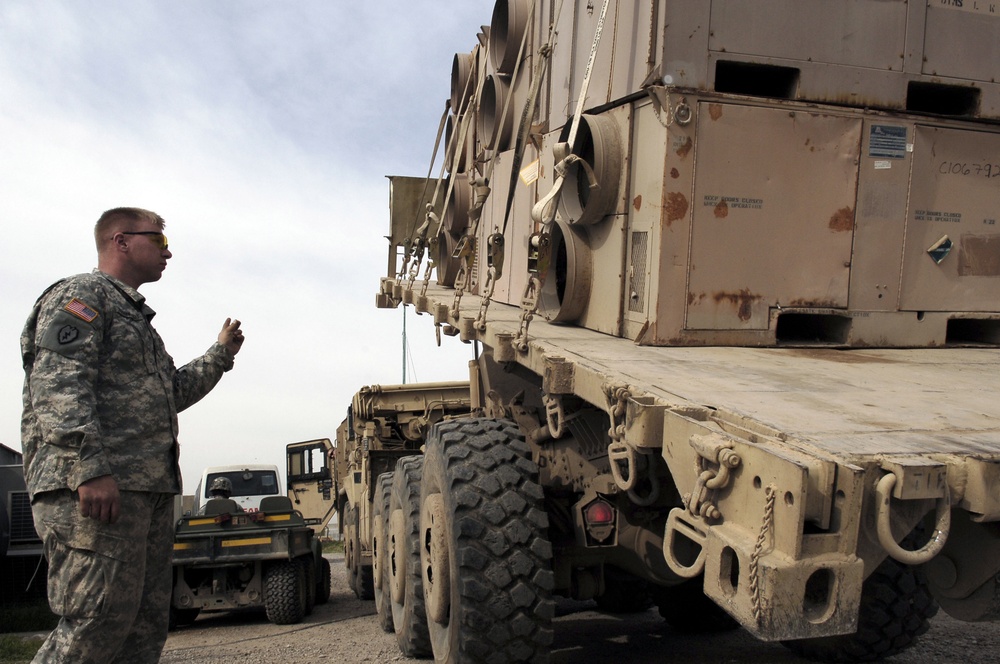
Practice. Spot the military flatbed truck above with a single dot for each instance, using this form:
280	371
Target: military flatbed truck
731	271
384	423
226	558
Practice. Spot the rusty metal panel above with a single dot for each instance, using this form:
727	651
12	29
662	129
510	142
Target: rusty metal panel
773	215
858	33
961	39
686	28
883	189
951	258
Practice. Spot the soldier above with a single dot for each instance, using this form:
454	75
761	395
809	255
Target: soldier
222	488
99	431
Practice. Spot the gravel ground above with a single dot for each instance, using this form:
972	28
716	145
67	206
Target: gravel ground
345	630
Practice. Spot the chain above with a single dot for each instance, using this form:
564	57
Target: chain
758	550
618	401
529	306
495	251
427	272
466	253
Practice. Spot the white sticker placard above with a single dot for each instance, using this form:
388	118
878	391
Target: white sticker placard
529	173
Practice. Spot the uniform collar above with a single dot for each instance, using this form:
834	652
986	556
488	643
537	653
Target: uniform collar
135	298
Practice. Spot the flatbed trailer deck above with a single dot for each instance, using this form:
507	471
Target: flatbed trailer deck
816	427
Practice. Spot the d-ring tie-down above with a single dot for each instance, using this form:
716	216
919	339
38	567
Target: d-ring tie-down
942	526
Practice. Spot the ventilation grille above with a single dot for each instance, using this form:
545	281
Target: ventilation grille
637	272
22	525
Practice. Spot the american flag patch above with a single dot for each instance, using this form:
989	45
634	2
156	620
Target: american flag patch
80	310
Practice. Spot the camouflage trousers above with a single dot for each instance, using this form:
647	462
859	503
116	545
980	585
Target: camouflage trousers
110	583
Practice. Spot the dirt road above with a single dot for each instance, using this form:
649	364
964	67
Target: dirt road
345	630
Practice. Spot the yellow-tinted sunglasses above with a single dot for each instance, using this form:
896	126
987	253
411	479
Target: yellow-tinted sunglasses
158	238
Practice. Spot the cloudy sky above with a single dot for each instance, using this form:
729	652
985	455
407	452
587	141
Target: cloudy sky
262	132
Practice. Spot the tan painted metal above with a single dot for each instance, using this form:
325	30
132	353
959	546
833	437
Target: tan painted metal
763	322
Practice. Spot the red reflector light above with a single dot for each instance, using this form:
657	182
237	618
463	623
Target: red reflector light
599	513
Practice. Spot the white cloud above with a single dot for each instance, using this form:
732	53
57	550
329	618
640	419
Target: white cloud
262	132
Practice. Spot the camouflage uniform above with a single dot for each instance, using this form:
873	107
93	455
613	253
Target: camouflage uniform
101	397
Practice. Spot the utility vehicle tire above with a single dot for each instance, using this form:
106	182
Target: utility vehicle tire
623	593
486	558
323	582
405	587
687	609
285	592
896	607
380	530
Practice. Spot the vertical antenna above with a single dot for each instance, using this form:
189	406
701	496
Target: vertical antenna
404	344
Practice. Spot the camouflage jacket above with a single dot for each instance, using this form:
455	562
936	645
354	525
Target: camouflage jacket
101	394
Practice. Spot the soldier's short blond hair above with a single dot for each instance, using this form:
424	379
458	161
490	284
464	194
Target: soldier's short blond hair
118	219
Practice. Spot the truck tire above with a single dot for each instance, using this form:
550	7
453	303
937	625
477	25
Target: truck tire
896	606
285	592
363	585
323	582
687	609
360	575
380	529
350	542
484	549
405	587
179	617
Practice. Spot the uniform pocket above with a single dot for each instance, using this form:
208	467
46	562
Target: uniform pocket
79	580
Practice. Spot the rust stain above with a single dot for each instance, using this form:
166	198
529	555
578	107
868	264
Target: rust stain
684	149
980	256
722	210
637	203
674	173
715	111
675	207
842	220
743	301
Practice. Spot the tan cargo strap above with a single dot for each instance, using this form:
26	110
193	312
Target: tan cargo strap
407	255
420	242
543	212
942	525
524	126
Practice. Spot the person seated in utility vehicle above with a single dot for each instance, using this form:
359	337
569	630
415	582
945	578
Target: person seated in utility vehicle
219	500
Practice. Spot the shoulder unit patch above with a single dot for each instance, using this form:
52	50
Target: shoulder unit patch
81	310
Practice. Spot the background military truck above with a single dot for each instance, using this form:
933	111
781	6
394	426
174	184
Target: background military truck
268	555
23	568
731	270
383	424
